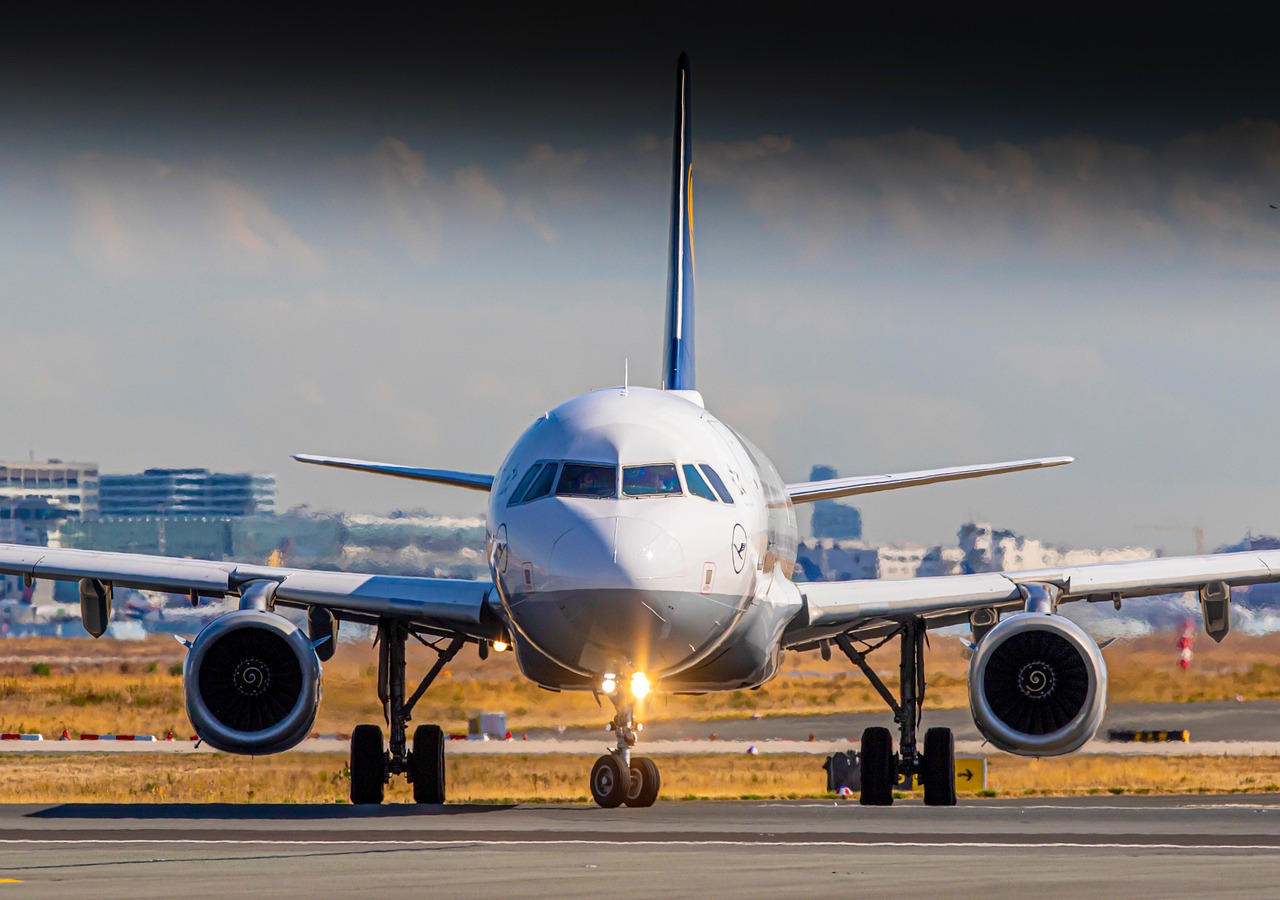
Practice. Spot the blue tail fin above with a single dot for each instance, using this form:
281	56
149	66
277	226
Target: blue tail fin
678	356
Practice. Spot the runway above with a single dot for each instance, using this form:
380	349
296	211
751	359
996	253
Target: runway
1219	846
1217	729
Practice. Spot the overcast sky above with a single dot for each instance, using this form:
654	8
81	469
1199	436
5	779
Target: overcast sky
921	241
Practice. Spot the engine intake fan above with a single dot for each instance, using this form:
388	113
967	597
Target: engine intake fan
1037	685
251	682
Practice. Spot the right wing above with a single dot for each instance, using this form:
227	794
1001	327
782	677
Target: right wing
869	606
471	480
452	605
809	491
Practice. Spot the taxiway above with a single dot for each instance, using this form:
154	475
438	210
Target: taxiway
1218	846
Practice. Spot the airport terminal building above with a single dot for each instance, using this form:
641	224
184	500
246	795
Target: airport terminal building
186	492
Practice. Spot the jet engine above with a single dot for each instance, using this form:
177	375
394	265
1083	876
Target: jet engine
251	682
1037	685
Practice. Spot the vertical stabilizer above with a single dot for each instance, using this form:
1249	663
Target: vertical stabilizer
677	357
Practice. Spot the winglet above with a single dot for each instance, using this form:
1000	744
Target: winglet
678	370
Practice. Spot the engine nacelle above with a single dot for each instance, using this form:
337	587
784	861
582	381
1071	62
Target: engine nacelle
1037	685
251	682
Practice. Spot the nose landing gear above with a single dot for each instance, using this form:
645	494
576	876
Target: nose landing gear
618	778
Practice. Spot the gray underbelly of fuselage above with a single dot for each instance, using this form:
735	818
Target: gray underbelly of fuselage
604	630
564	638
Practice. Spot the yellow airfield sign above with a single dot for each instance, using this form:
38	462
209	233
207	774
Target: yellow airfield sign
971	773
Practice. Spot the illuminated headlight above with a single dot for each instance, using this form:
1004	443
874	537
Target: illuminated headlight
499	646
608	684
639	685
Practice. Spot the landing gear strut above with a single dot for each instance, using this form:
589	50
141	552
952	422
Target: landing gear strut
371	765
882	770
619	778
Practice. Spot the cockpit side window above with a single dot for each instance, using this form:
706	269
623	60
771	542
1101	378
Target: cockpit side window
542	484
716	482
697	484
523	486
586	480
651	481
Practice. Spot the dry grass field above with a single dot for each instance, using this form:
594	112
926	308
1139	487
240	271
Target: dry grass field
323	778
48	685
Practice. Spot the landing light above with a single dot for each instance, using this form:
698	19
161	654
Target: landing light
608	684
499	646
639	685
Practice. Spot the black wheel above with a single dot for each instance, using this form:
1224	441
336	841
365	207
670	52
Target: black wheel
645	782
368	765
939	768
426	764
609	782
878	767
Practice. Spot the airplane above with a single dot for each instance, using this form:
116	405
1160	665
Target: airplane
638	543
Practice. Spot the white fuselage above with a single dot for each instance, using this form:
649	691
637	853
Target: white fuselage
615	550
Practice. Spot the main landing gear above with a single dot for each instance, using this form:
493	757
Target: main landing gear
883	770
618	778
372	765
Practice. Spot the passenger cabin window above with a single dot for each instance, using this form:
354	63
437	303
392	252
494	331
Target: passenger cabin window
542	484
584	480
716	482
697	484
524	484
650	481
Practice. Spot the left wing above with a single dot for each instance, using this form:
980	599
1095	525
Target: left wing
470	480
453	605
836	607
809	491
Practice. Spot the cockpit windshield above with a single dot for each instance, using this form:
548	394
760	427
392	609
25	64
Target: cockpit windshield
586	480
649	481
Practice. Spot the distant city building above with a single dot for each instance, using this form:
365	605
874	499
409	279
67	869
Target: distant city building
831	518
980	548
996	550
73	487
186	492
831	560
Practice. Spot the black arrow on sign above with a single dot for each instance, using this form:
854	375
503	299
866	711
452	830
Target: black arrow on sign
966	775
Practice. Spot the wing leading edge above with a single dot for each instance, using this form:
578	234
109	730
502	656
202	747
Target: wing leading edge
470	480
809	491
833	607
453	605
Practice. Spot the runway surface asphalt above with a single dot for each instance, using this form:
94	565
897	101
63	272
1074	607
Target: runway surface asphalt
1135	847
1217	728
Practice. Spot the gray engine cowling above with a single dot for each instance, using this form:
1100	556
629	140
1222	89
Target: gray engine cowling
1037	685
251	682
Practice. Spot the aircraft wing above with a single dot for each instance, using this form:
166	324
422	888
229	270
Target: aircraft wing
867	607
470	480
453	605
809	491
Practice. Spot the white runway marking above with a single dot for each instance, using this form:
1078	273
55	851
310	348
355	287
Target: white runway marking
545	842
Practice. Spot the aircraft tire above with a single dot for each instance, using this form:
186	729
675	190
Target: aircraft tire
646	782
939	769
368	765
609	782
878	767
426	764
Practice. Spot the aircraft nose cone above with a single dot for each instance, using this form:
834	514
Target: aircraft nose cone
615	552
